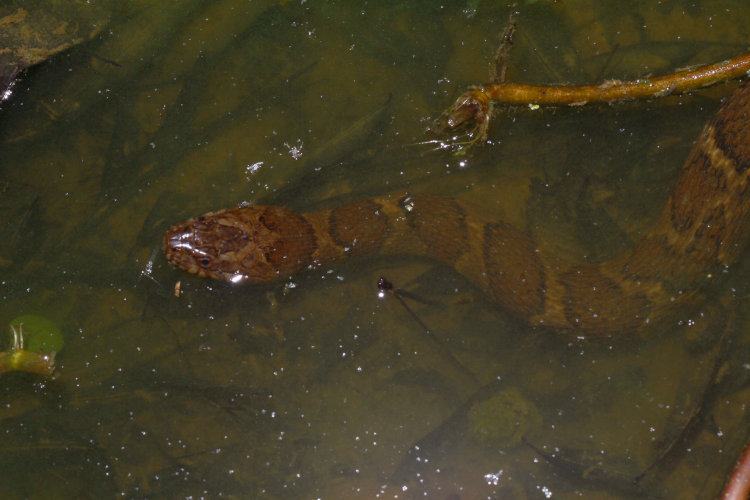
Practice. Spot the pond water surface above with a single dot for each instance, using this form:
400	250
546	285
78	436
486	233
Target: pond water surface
316	387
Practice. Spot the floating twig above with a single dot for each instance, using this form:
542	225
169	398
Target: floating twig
476	103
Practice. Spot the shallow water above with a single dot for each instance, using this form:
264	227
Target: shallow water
316	387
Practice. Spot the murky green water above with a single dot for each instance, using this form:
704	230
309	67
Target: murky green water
317	388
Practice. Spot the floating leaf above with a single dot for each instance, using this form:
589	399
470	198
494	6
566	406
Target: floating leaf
40	334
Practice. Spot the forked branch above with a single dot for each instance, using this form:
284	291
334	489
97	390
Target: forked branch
476	104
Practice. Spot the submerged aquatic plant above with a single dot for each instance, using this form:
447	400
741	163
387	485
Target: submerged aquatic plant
43	339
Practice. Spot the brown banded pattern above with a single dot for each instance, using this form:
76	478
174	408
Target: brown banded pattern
704	226
360	225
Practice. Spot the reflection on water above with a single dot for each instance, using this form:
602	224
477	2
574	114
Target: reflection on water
316	387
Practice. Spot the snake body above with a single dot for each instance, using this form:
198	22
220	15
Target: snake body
702	229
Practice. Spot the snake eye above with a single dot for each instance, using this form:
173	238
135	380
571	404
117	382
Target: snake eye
204	261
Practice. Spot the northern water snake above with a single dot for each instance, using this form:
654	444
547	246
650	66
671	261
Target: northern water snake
703	228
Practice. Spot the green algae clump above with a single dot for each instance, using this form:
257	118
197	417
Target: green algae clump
502	420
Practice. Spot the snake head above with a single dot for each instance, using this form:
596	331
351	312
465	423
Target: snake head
252	244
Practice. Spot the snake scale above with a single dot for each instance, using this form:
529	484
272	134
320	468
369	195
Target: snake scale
702	229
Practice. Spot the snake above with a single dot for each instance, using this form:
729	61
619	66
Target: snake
701	231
